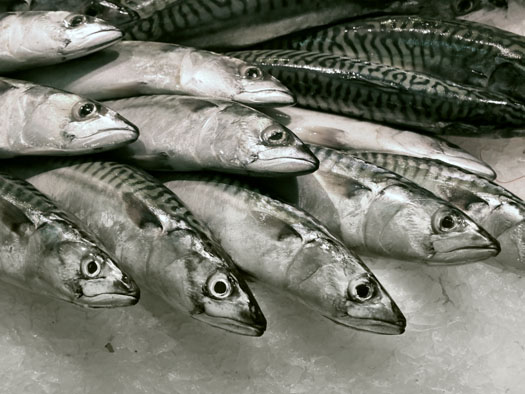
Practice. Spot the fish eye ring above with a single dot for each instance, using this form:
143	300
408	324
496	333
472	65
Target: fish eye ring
464	6
91	268
275	136
84	110
252	73
361	290
219	286
75	20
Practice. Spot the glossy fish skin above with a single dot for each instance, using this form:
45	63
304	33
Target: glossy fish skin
457	50
343	133
134	68
237	23
155	237
43	250
500	212
37	120
38	38
390	95
379	213
289	250
182	133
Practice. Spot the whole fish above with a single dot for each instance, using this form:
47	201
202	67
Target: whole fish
37	38
457	50
288	249
236	23
388	94
343	133
37	120
379	213
133	68
499	211
155	237
183	133
43	250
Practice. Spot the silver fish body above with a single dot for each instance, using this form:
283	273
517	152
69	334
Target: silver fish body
289	250
236	23
457	50
43	250
183	133
499	211
343	133
133	68
390	95
379	213
38	38
37	120
155	237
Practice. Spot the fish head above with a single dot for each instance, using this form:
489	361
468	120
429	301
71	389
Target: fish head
213	75
67	123
334	281
111	12
257	144
79	34
412	224
79	271
215	292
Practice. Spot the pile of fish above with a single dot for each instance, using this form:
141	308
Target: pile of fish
232	191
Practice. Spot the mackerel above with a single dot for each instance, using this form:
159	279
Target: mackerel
37	38
343	133
457	50
236	23
388	94
288	249
182	133
379	213
499	211
134	68
43	250
37	120
155	237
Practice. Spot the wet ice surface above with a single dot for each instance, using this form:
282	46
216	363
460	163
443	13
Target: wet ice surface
464	335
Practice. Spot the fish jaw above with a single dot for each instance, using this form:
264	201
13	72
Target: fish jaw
265	97
474	244
252	324
109	292
285	160
92	36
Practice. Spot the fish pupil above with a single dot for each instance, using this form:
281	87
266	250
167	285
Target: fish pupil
464	5
253	73
447	222
86	110
92	267
363	291
277	136
77	20
220	287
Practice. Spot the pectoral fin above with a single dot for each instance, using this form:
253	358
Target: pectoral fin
15	219
139	213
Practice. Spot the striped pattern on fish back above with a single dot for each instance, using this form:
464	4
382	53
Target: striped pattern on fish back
426	171
37	206
181	18
409	42
121	178
378	92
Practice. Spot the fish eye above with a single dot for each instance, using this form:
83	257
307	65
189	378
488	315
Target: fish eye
91	268
219	286
464	6
252	73
84	110
361	290
75	20
446	221
275	136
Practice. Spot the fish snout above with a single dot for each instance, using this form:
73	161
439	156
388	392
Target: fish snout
127	286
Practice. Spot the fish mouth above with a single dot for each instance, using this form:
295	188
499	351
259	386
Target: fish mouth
376	326
94	42
251	329
108	300
465	255
284	165
265	97
104	139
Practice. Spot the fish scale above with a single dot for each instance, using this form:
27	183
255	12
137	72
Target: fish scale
388	94
460	51
499	211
